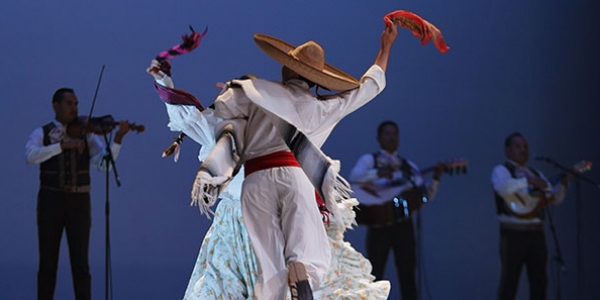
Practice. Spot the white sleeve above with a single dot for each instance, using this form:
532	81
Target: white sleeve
166	81
36	152
326	114
232	104
504	183
364	170
332	111
98	151
558	191
196	124
372	84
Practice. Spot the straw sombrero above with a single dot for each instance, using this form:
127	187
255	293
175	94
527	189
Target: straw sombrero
308	60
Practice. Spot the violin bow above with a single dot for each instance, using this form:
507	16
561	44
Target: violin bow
96	93
93	102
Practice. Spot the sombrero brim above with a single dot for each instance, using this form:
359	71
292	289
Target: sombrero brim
330	77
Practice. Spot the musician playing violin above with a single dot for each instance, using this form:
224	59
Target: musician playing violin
522	239
63	202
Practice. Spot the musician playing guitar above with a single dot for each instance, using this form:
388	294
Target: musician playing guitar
521	192
376	179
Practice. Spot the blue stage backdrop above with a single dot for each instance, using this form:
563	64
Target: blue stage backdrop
512	66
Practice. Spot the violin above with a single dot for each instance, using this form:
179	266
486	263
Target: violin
96	125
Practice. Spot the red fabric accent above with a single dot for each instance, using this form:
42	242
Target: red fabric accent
419	27
273	160
177	96
320	201
189	43
322	208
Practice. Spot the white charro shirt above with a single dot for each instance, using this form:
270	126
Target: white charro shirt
256	102
294	103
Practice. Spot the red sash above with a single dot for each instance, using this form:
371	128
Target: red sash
280	159
273	160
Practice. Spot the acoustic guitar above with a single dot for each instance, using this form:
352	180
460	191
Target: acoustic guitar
527	203
386	205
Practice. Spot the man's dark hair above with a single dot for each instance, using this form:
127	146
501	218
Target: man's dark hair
287	74
385	123
58	95
510	137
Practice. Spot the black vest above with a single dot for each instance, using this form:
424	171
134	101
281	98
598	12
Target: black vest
66	170
501	208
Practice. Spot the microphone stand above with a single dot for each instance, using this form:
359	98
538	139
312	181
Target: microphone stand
419	255
579	216
558	256
109	163
422	279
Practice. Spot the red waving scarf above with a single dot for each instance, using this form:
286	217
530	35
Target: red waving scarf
419	27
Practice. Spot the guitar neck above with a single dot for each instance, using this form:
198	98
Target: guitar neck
577	169
556	179
427	170
453	167
448	169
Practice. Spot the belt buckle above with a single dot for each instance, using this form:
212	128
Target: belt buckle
77	189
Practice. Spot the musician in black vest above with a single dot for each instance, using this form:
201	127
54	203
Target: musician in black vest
63	202
379	171
522	239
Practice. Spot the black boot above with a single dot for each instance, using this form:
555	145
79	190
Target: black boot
298	282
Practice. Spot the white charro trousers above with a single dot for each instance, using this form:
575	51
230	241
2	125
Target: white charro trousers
284	224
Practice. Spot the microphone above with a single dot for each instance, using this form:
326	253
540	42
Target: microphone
542	157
